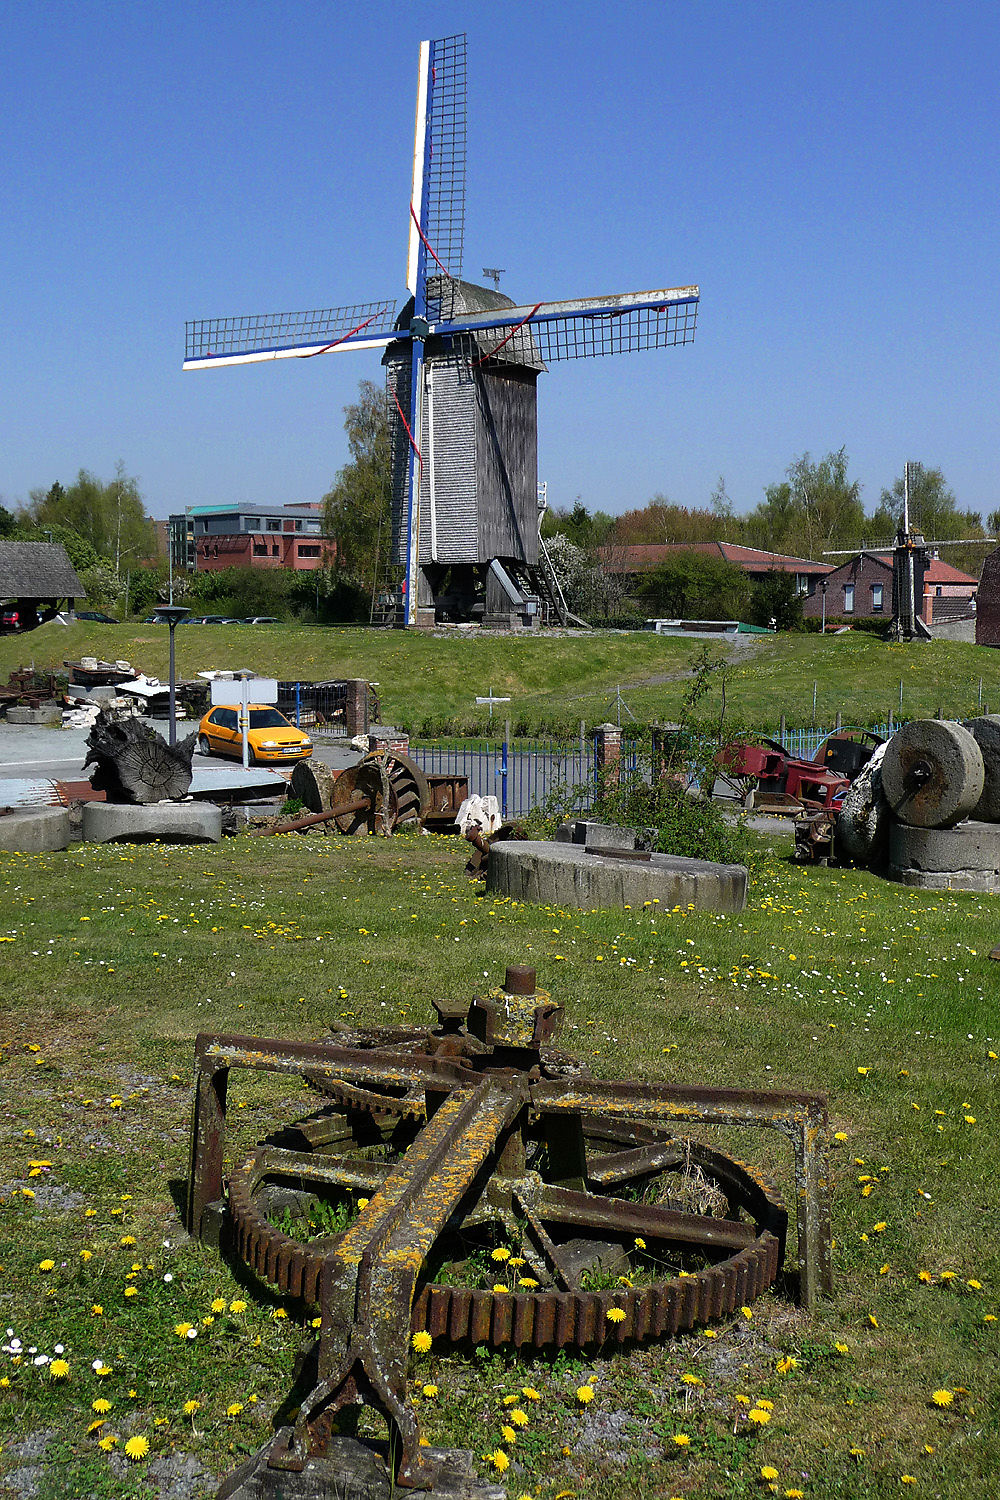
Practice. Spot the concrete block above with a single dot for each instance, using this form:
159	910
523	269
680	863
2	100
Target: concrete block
600	835
167	822
570	875
49	714
986	733
966	858
33	830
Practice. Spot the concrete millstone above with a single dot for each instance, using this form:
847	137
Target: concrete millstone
986	733
167	822
567	874
966	858
33	830
955	773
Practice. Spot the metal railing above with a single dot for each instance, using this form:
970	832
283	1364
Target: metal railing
521	774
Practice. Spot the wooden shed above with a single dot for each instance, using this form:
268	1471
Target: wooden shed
38	577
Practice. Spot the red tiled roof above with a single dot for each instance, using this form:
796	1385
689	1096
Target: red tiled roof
939	571
642	556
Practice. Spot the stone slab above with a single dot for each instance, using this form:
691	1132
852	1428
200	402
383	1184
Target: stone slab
986	733
166	822
49	714
600	835
568	875
35	829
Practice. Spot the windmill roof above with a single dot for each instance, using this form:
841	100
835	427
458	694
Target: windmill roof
460	298
37	570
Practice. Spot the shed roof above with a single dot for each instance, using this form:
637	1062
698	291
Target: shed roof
37	570
642	556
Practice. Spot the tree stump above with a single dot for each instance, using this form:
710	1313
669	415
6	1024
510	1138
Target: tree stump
135	764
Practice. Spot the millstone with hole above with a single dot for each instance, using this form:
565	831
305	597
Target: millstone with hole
932	773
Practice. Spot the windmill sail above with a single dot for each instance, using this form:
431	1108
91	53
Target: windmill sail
260	336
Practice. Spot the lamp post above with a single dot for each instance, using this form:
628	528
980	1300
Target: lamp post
173	614
823	587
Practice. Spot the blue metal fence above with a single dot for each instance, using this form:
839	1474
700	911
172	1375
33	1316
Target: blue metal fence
520	774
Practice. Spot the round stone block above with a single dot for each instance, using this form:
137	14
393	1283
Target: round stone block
986	733
167	822
966	858
32	830
571	875
932	773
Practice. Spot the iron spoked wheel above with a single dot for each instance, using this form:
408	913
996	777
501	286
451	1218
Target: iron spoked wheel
658	1235
408	783
364	780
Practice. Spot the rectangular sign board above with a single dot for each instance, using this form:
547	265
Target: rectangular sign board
230	691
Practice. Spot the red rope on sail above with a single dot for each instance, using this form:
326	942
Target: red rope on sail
327	347
427	244
509	336
409	434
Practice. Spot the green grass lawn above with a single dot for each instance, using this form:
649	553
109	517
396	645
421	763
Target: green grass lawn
112	959
430	683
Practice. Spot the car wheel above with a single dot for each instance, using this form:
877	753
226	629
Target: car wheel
204	748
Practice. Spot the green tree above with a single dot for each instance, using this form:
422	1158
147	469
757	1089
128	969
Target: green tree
933	508
109	516
815	507
585	529
776	599
358	506
8	522
696	586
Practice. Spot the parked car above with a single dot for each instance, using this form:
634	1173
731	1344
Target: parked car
96	614
270	737
262	620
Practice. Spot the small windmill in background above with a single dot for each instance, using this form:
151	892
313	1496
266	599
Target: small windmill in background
911	557
462	363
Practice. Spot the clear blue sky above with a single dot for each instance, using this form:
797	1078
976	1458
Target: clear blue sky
827	172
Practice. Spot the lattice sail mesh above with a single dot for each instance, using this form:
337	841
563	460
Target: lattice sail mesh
264	332
445	226
583	335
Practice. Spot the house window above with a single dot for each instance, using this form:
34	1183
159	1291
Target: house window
306	551
938	591
877	598
274	525
260	549
250	523
274	549
848	598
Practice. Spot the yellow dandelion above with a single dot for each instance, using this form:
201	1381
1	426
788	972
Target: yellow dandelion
907	1478
508	1434
103	1371
219	1305
86	1255
873	1320
96	1310
747	1312
182	1329
759	1416
430	1391
238	1306
136	1449
767	1405
127	1239
924	1276
527	1281
277	1313
59	1370
101	1406
615	1315
499	1460
681	1440
530	1394
639	1242
584	1394
498	1286
421	1341
131	1291
190	1407
500	1253
785	1364
46	1265
107	1443
795	1495
519	1417
769	1472
95	1426
943	1397
976	1286
234	1408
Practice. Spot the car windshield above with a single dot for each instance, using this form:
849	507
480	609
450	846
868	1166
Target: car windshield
268	718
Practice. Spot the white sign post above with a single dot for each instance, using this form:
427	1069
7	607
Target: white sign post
251	688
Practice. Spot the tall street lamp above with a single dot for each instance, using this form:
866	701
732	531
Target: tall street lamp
173	614
823	587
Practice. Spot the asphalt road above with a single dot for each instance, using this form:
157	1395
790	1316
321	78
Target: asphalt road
29	750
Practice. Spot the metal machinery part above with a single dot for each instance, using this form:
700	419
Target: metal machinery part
932	773
443	1144
395	790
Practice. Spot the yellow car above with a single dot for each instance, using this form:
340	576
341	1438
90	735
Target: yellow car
270	736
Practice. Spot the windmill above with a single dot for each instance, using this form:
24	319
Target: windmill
462	363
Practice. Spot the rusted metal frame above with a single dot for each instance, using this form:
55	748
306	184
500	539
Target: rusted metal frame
316	1167
217	1055
563	1206
640	1161
801	1118
544	1246
367	1285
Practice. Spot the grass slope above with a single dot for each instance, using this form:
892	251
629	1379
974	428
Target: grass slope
431	682
112	959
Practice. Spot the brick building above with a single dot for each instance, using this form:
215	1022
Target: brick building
988	604
861	588
206	538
